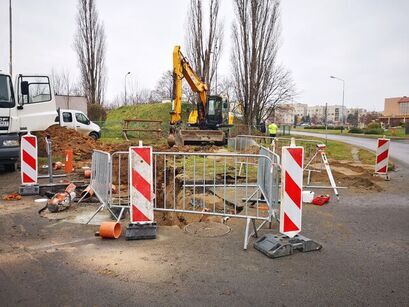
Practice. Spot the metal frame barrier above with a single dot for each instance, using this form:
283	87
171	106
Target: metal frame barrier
101	181
207	184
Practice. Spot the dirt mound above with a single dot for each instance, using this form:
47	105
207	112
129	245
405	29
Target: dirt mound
346	174
63	139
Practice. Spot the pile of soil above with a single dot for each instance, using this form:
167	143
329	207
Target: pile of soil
82	146
63	139
352	176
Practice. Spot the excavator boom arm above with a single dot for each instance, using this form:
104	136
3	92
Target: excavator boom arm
182	69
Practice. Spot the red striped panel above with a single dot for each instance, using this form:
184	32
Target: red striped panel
138	216
292	190
382	170
29	160
296	153
289	224
144	153
382	156
381	142
140	184
27	179
31	140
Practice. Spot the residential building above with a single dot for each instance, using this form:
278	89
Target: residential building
72	103
396	111
289	112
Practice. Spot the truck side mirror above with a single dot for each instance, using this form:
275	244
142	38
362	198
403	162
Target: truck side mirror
24	87
225	105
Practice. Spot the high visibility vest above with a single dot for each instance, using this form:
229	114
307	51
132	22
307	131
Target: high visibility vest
272	128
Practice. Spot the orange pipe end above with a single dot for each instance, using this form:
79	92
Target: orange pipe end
87	173
111	230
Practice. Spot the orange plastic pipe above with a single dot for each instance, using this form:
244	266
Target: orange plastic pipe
68	161
111	230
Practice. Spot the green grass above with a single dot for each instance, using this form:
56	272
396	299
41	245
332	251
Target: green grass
398	133
366	157
112	127
199	167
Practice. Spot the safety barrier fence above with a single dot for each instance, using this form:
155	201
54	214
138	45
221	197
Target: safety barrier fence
245	143
229	185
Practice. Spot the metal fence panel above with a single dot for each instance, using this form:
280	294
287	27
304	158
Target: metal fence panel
268	177
101	175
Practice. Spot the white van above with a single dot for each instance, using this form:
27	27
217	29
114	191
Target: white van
77	120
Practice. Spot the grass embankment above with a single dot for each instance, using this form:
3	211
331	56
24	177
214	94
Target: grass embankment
393	133
112	127
340	151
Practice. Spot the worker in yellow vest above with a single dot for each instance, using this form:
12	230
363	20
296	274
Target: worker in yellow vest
272	129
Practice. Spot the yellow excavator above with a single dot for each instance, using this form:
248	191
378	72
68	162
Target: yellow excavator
209	121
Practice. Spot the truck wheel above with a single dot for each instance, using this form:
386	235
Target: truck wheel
94	135
10	167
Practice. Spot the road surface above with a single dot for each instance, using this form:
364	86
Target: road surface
399	150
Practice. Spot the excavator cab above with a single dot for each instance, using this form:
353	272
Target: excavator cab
217	112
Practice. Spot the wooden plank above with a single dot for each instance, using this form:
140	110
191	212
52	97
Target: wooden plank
142	120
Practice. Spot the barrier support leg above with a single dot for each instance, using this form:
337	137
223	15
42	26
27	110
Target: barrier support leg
246	233
98	210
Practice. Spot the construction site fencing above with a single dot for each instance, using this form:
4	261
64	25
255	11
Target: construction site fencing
245	143
211	184
101	175
229	185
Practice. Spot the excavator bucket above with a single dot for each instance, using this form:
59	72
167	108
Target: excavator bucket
195	137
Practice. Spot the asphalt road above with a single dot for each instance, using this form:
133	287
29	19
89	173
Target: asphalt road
399	150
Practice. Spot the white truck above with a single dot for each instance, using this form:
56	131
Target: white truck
30	106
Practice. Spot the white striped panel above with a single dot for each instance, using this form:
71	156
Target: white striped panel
32	151
287	206
25	168
146	171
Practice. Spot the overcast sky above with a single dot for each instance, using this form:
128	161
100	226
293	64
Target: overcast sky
364	42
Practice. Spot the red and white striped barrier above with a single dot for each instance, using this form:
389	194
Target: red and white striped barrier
141	184
28	151
382	156
291	190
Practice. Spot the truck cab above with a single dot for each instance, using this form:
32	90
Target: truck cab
77	120
30	106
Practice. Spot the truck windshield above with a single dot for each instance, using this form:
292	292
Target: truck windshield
6	92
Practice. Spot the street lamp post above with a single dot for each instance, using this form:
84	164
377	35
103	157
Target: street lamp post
343	96
11	40
126	75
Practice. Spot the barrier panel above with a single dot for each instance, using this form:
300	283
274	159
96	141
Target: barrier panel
141	182
292	182
101	181
29	165
382	157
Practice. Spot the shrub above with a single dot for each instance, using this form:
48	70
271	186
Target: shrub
96	112
374	126
374	131
355	130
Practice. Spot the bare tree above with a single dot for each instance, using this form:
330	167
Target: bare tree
260	82
164	89
204	41
63	84
90	47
